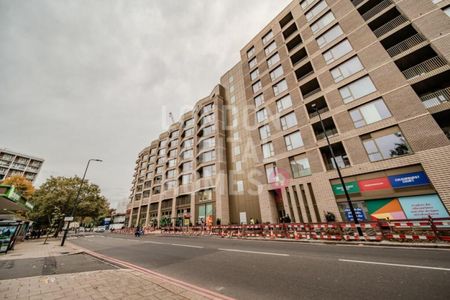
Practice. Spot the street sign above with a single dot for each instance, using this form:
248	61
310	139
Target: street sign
68	219
359	214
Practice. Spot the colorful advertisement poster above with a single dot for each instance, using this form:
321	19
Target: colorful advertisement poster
374	184
385	209
409	179
352	188
420	207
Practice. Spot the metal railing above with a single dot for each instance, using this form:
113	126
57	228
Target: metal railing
329	132
314	113
436	98
424	67
311	93
405	45
376	9
392	24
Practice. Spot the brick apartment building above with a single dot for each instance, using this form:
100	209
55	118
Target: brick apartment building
378	73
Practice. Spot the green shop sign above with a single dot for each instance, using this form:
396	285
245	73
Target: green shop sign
352	188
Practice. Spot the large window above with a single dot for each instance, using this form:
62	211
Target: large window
276	73
259	100
188	123
284	103
305	3
205	195
255	74
239	186
267	150
252	63
293	140
173	153
264	132
271	172
299	166
369	113
251	52
357	89
329	36
186	167
385	144
346	69
190	142
337	51
186	179
269	49
170	174
257	86
171	163
288	121
274	59
280	87
208	171
162	152
261	115
322	22
207	143
187	154
189	132
267	37
317	9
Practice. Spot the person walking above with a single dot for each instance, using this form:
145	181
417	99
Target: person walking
137	232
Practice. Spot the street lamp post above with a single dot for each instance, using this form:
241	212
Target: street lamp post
76	200
338	169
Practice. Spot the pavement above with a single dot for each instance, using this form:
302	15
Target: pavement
37	271
251	269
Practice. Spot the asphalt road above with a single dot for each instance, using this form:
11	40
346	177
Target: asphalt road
246	269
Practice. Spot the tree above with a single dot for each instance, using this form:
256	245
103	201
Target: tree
60	192
22	185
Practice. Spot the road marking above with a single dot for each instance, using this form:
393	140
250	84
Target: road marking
393	265
253	252
152	242
190	246
394	247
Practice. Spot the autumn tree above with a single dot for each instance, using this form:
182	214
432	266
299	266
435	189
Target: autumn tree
22	185
60	193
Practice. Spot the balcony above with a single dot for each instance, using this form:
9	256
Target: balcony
330	129
356	2
298	56
289	31
436	98
424	67
405	45
304	71
321	105
443	120
392	24
310	88
286	20
340	155
368	14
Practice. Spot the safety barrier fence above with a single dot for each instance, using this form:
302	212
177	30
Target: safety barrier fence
423	230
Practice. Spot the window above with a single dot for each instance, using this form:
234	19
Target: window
207	143
251	52
269	49
385	144
299	166
234	110
208	171
187	154
261	115
205	195
323	22
173	143
233	99
162	152
254	74
236	136
170	174
231	88
237	150
317	9
234	123
256	86
337	51
207	119
174	134
186	179
293	140
173	153
284	103
274	59
329	36
447	10
205	131
238	166
276	73
264	132
252	63
239	186
162	144
160	161
357	89
288	121
267	150
231	79
189	132
186	167
172	163
159	170
280	87
267	37
346	69
271	172
207	156
190	142
304	4
259	100
208	108
188	123
369	113
171	184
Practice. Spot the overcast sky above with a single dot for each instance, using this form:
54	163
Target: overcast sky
96	79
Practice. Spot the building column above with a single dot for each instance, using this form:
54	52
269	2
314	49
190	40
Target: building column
147	215
296	216
193	212
174	210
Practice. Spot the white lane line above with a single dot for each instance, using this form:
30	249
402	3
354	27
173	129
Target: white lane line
394	247
190	246
152	242
253	252
393	265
